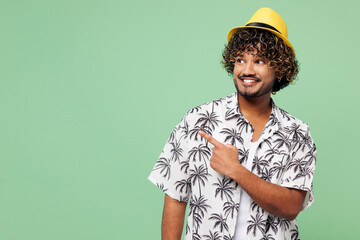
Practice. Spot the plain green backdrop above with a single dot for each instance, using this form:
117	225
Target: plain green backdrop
90	91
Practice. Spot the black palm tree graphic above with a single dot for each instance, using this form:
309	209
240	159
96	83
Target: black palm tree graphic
271	223
278	168
208	119
282	140
197	220
258	164
183	185
200	152
284	224
164	165
230	208
199	175
194	132
295	233
297	164
304	172
272	151
242	124
184	166
216	102
229	237
256	223
267	141
198	205
311	155
243	154
232	135
272	120
286	115
212	236
295	131
195	109
176	150
306	141
266	174
267	237
219	222
172	135
255	207
224	188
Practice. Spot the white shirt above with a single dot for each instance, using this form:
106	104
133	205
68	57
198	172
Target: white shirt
285	156
245	200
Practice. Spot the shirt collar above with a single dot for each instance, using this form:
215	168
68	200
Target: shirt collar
232	110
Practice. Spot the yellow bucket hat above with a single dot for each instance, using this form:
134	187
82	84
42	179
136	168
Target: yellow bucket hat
268	19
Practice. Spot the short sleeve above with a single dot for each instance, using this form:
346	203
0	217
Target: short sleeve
300	169
171	171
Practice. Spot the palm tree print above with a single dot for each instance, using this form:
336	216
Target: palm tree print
297	165
224	188
243	154
286	155
256	224
242	124
194	132
208	119
294	233
164	165
271	223
259	164
176	151
200	152
230	208
311	155
184	166
278	168
212	236
266	174
219	222
283	223
183	185
199	175
282	140
267	237
198	206
232	135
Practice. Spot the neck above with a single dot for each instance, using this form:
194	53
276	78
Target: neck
255	107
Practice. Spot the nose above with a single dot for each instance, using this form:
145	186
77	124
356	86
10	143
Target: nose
249	68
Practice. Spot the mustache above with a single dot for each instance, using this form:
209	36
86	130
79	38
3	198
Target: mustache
240	77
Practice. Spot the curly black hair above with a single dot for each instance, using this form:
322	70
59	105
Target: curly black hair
266	45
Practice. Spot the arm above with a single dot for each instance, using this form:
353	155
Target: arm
279	201
173	219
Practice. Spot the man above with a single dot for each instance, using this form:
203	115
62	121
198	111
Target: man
250	173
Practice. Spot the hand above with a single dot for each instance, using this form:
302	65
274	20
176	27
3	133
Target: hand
224	157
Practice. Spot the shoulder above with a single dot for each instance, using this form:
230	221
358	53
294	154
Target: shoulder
287	120
211	107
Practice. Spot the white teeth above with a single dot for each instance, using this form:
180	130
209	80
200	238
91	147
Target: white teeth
248	81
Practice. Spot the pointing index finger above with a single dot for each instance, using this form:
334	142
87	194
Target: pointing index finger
210	139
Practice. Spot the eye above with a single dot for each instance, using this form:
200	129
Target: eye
260	61
239	60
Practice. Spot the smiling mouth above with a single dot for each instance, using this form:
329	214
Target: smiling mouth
248	81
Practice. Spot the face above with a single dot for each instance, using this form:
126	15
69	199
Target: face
253	76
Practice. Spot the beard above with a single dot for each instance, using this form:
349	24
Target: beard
265	89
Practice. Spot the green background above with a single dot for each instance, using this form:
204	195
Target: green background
90	91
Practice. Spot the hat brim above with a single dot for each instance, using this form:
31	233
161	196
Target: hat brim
236	29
